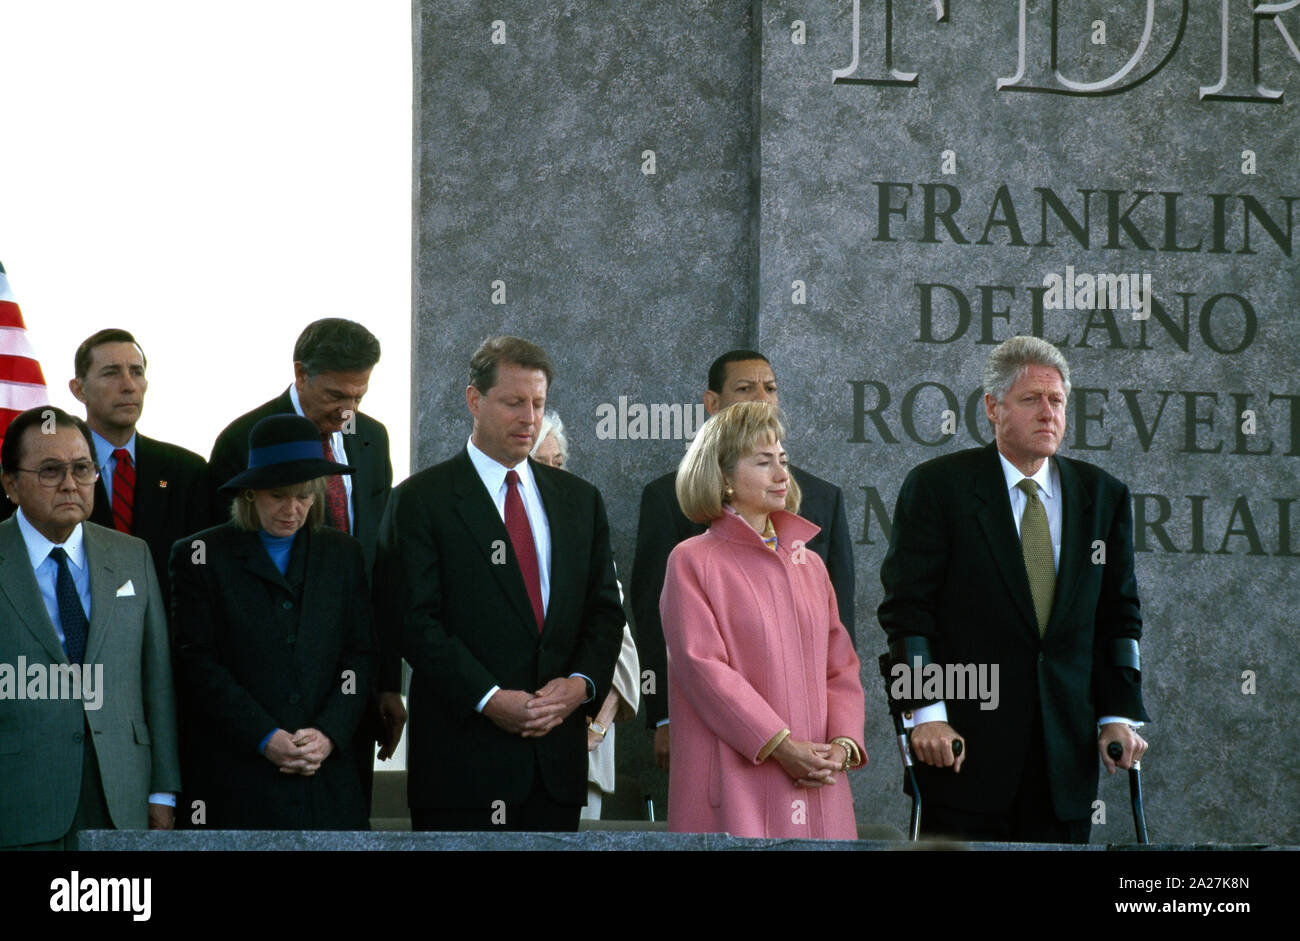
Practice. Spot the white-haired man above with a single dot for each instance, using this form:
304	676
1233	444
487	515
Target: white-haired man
1010	555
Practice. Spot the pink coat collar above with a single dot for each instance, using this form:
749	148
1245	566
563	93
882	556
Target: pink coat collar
789	529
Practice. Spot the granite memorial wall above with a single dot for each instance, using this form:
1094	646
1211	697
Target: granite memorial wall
874	193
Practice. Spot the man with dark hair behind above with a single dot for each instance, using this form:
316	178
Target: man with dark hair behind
79	604
496	573
332	361
146	488
735	376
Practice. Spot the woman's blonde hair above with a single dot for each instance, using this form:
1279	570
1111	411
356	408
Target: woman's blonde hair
244	513
729	436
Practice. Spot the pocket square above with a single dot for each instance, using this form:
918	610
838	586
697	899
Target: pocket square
127	590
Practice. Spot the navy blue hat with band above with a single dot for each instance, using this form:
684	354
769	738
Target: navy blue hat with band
282	450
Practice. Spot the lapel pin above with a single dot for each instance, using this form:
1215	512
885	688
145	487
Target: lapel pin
162	483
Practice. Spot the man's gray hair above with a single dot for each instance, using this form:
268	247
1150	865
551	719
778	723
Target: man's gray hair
1011	357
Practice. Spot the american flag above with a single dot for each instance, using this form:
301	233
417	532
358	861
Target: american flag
22	384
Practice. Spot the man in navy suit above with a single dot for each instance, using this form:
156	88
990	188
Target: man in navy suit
736	376
146	488
1013	557
495	572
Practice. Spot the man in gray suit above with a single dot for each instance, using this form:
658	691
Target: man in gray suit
87	721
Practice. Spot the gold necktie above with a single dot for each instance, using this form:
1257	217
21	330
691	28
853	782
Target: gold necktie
1036	547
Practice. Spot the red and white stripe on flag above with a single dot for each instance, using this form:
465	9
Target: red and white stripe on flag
22	384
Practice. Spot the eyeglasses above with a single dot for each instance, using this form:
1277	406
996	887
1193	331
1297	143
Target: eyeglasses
51	475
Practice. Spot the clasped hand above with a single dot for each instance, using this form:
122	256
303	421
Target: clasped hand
300	752
532	715
811	764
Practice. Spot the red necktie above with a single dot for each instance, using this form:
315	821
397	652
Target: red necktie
336	495
123	491
521	537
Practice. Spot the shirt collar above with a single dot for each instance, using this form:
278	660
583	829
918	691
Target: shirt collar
492	472
1043	478
104	448
38	547
293	397
335	438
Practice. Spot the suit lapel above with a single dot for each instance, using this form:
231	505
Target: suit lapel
1075	506
150	494
358	449
18	583
566	542
105	581
257	561
995	519
479	513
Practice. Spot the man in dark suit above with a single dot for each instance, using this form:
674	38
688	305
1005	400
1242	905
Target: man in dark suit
496	573
94	745
146	488
332	362
736	376
1010	557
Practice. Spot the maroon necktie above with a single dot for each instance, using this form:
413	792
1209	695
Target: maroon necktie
521	537
123	491
336	495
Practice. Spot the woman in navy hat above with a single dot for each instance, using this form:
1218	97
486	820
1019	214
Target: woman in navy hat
274	646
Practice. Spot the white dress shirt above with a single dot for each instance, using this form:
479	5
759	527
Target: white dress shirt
493	475
46	569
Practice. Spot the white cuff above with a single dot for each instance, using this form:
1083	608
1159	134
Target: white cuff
935	712
1106	720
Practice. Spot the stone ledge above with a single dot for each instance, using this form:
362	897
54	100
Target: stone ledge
591	840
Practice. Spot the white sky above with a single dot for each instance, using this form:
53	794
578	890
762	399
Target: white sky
211	177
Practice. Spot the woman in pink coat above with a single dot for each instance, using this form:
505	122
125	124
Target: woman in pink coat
763	685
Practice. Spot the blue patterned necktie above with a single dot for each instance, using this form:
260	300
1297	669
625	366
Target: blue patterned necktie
71	614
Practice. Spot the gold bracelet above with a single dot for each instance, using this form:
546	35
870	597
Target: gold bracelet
852	758
772	744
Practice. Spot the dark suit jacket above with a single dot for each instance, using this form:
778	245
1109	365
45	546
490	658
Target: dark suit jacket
256	651
171	500
466	625
663	525
954	574
41	747
367	451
